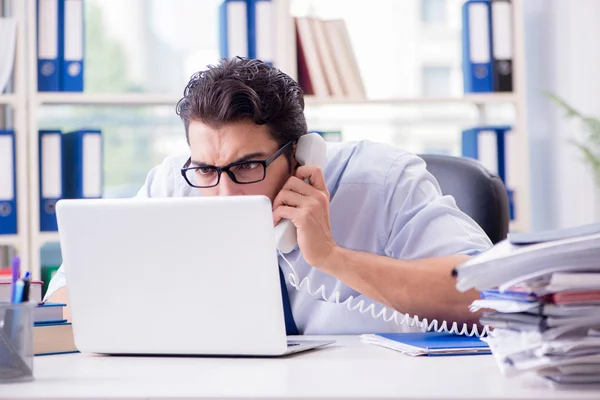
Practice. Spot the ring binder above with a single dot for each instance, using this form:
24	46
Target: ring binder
8	185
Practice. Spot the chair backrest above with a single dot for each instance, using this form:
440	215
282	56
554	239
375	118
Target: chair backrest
478	193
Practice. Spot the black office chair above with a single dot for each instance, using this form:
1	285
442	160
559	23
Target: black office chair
478	193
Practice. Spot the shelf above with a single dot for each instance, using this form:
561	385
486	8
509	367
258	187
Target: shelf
151	99
10	99
98	99
477	99
48	237
9	240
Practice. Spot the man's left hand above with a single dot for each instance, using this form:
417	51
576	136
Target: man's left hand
307	207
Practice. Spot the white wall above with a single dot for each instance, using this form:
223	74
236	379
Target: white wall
563	57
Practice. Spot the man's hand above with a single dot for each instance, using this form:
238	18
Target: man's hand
307	207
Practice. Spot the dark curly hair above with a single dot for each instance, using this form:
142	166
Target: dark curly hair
245	89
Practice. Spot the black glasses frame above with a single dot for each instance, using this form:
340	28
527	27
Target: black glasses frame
227	169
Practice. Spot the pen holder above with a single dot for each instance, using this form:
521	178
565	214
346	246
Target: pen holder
16	342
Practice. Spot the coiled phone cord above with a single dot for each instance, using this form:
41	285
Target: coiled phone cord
424	324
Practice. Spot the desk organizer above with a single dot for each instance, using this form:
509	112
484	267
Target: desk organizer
16	342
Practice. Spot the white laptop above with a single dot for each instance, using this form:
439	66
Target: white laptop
187	276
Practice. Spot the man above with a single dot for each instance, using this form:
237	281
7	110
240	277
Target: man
372	224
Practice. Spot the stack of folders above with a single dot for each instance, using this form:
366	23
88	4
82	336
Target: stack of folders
487	45
60	48
540	293
70	167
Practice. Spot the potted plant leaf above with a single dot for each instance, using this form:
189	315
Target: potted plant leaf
589	145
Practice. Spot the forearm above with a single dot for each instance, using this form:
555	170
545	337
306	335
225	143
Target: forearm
422	287
61	296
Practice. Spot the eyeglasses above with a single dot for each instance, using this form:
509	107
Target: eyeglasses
242	172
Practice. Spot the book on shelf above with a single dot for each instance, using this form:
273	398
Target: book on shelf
327	64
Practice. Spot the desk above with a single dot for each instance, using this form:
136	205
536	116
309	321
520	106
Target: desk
348	369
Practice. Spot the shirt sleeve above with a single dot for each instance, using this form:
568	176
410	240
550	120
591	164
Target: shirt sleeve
423	222
57	281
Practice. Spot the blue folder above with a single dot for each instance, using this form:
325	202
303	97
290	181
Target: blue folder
477	47
8	183
429	343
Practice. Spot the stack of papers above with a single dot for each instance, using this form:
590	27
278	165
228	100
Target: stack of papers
428	343
540	297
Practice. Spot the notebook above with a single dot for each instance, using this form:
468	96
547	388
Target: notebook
429	343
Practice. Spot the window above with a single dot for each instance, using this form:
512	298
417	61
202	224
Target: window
138	46
433	11
148	46
436	81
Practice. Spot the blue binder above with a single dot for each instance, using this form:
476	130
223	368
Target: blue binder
471	146
430	343
50	177
511	204
48	45
261	30
233	29
71	39
82	164
477	51
8	183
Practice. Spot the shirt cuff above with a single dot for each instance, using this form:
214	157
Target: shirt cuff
57	281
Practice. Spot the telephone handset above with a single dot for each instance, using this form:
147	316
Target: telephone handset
311	149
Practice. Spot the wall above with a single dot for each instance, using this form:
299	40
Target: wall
563	57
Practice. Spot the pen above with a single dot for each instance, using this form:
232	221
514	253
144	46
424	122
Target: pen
19	287
26	287
16	273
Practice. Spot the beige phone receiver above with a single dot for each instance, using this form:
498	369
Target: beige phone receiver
310	150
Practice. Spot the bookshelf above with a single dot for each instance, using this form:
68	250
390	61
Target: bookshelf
93	99
26	104
13	241
16	114
8	99
137	99
474	99
519	159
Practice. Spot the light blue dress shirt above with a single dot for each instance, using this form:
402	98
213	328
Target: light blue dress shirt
383	201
